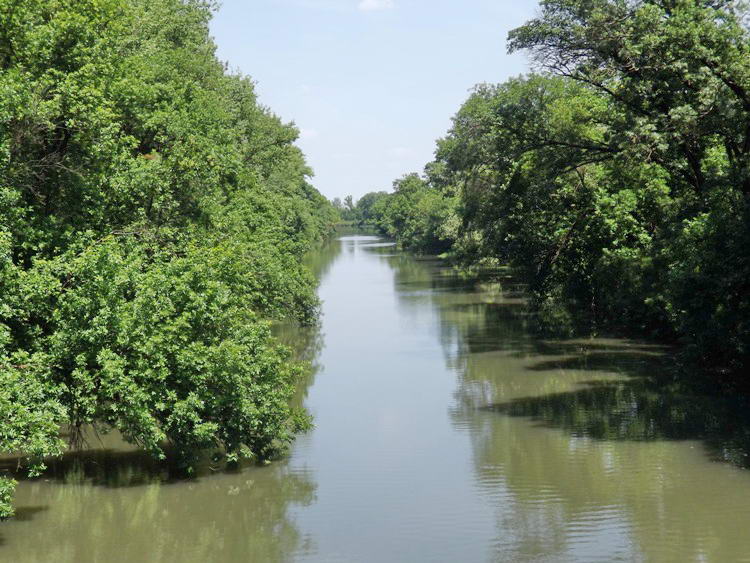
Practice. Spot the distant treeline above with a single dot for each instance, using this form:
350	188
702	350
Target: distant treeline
153	216
616	182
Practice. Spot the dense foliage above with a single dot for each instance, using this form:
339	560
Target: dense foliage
346	209
153	218
617	181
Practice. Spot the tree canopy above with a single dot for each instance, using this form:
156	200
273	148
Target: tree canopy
153	219
615	181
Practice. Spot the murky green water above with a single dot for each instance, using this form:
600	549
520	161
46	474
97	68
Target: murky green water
444	432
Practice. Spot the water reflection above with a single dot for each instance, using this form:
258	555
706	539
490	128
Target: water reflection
307	342
641	410
112	503
588	449
623	390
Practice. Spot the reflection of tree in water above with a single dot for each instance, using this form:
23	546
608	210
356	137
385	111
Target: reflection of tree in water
113	503
320	259
614	458
307	342
614	474
643	410
643	403
479	311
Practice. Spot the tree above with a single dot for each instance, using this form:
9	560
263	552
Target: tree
617	184
153	221
679	72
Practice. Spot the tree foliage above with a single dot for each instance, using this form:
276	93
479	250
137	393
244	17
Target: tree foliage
415	213
616	181
153	219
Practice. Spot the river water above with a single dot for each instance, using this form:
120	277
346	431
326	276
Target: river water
445	431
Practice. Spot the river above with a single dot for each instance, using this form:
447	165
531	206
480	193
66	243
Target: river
444	431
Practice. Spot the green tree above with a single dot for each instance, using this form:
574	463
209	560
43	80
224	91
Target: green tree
617	184
153	221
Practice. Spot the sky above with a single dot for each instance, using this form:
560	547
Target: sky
371	84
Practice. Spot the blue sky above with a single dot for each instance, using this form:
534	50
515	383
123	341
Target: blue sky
370	83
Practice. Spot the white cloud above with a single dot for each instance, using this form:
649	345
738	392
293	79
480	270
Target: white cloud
372	5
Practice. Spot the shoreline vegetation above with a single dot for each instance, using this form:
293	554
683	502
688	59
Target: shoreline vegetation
154	218
615	181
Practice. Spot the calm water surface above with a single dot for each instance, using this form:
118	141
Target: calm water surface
444	432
